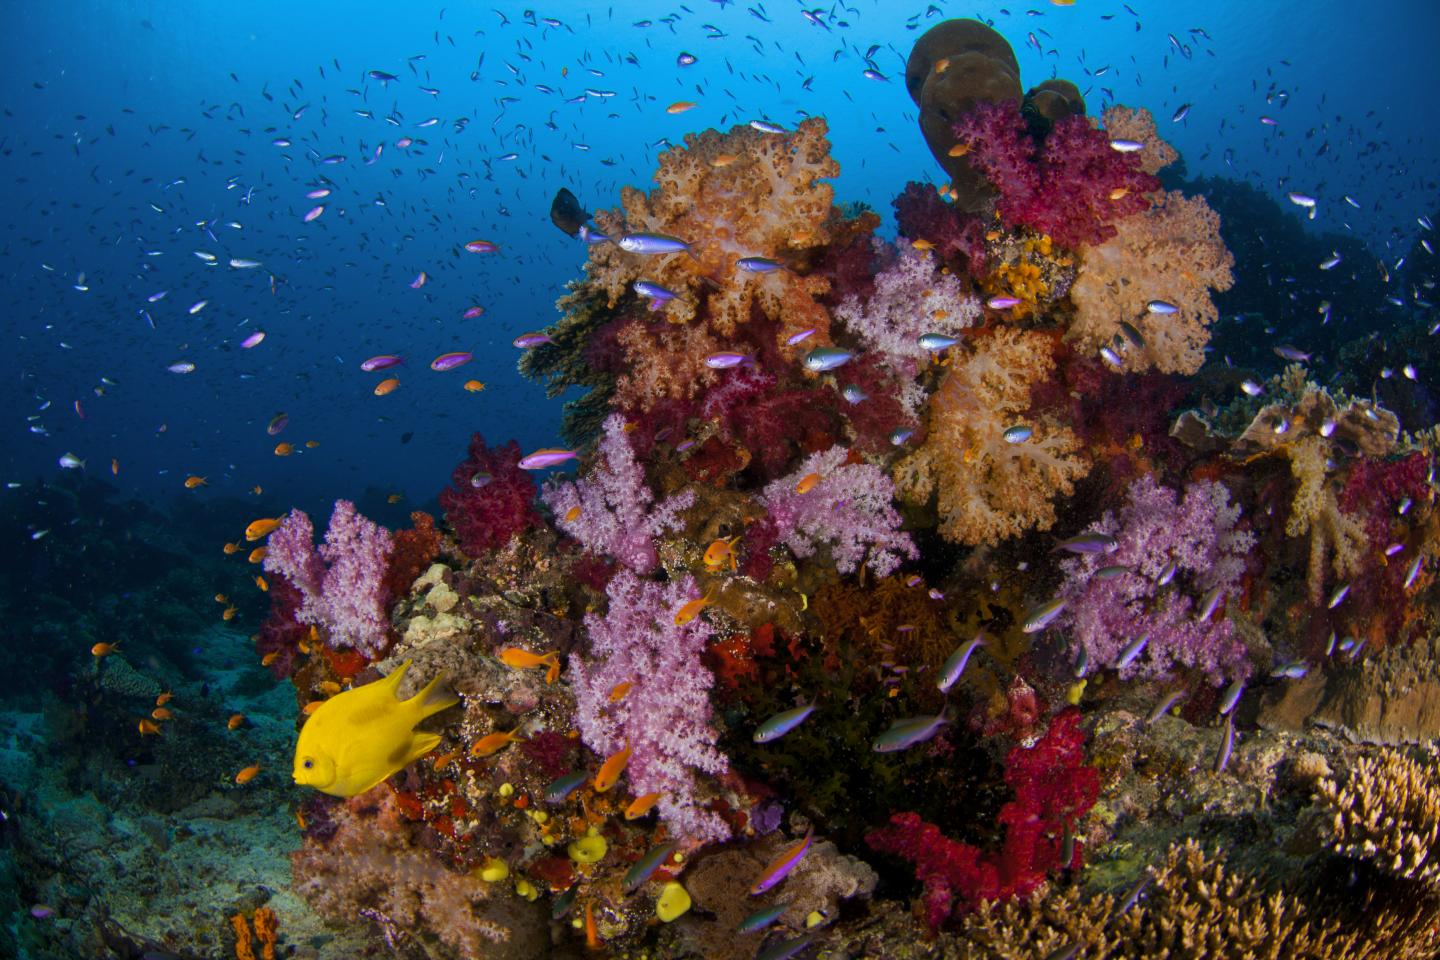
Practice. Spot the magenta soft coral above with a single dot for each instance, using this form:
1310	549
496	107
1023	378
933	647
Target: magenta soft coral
1053	790
490	499
922	214
1066	191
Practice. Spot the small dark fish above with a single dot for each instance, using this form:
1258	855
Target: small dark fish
561	787
646	866
762	918
566	212
1227	744
785	949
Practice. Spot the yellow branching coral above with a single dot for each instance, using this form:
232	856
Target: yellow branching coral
987	487
1388	811
1171	252
1123	123
730	196
1316	511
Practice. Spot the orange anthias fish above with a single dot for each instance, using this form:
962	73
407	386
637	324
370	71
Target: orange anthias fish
262	528
284	448
161	713
721	552
959	150
103	649
386	386
807	483
692	608
395	498
269	658
257	554
723	160
641	805
474	386
114	467
493	743
236	721
260	582
248	774
617	692
149	728
163	699
680	106
192	482
611	769
229	612
572	514
231	548
524	659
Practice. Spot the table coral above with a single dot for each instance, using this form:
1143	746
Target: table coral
1156	528
611	510
1171	252
733	195
988	488
664	719
848	509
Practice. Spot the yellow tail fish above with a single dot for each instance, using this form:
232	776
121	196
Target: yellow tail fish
357	738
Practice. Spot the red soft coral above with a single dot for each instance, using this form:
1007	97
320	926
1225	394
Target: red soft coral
1071	191
1053	789
415	549
281	633
491	499
922	214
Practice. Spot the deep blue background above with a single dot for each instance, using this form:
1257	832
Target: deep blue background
107	103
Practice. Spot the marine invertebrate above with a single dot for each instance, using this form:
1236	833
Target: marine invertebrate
911	298
416	547
956	237
1387	810
1171	252
1127	123
1053	790
953	66
1192	545
846	506
664	719
1073	188
343	582
265	935
611	510
987	487
730	196
490	499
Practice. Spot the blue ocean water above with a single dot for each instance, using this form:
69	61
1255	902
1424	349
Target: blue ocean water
115	110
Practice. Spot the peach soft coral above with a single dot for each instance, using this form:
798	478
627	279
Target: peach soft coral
989	488
730	196
1172	252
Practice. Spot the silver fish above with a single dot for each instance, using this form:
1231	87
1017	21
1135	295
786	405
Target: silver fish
822	359
935	342
1132	652
1231	697
955	666
1411	572
906	733
1018	434
1338	596
1227	744
1210	603
652	243
1090	543
1039	617
1166	703
1162	308
782	723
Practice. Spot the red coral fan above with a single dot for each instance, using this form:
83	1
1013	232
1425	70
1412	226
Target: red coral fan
1053	789
281	633
415	549
1067	191
491	499
922	214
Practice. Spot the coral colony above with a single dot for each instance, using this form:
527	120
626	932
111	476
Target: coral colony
944	516
812	464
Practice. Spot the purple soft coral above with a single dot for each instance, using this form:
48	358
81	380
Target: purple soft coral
849	508
608	510
343	583
665	718
1157	529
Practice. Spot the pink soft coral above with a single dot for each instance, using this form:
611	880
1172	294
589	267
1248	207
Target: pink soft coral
1072	191
1156	529
848	509
343	583
490	499
1053	788
609	509
665	718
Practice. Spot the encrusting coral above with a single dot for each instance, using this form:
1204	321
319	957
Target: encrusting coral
988	487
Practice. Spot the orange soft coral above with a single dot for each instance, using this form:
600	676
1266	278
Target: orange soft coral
1171	252
987	487
733	195
1123	123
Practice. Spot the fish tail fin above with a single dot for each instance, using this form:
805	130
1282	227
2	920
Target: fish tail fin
431	699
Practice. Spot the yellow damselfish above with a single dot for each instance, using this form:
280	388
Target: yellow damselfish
357	738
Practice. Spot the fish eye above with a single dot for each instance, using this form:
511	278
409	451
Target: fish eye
309	763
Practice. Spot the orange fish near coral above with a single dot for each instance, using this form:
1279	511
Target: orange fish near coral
524	659
617	692
474	386
192	482
959	150
148	728
722	551
261	528
269	658
493	743
231	548
229	612
163	699
103	649
692	608
572	514
680	106
611	769
723	160
641	805
386	386
807	483
160	713
236	721
248	774
260	582
1119	193
256	555
284	448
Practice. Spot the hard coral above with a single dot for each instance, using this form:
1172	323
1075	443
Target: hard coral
609	509
1073	189
734	195
989	488
1387	810
1053	790
665	718
343	583
1156	529
848	508
490	499
1171	252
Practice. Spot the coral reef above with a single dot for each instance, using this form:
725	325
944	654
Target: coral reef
1387	810
988	487
490	499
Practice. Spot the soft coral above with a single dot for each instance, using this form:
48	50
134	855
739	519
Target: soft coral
491	499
